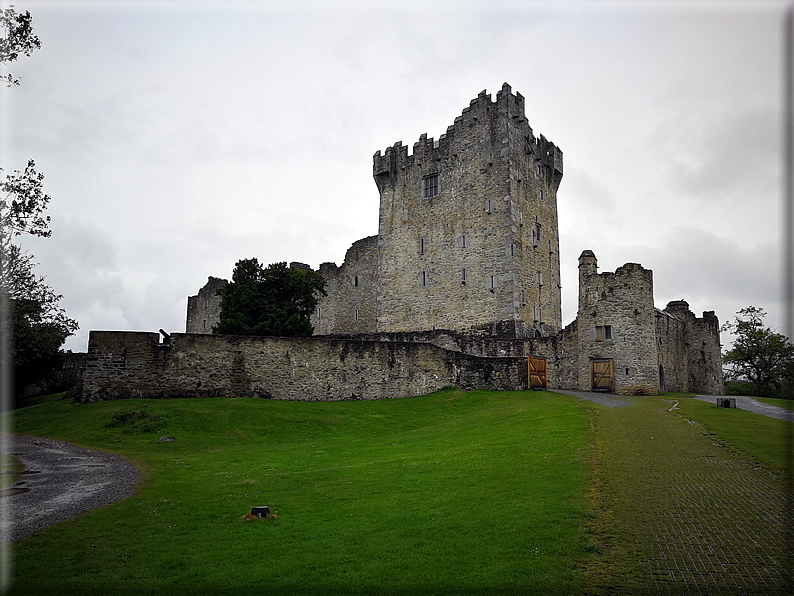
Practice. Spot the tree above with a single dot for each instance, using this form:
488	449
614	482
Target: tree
17	39
759	355
277	300
33	326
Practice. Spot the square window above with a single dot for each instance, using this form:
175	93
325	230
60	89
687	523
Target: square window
603	332
430	186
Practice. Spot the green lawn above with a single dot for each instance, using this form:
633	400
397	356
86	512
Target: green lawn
451	493
783	403
757	436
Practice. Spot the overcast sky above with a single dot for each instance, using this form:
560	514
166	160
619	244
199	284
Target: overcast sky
177	138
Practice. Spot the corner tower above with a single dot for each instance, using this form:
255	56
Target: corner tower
468	236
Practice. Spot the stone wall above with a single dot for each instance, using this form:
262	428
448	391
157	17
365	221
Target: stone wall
123	364
701	349
204	309
671	342
349	306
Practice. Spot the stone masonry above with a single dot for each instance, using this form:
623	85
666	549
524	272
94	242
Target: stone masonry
466	261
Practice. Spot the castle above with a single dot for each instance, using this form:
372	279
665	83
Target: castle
461	286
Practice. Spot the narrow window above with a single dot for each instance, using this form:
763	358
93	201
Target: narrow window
430	186
607	331
534	313
523	298
424	279
463	275
489	206
537	231
542	195
355	281
512	250
355	315
627	372
540	314
538	170
540	278
491	282
204	324
550	250
422	245
463	241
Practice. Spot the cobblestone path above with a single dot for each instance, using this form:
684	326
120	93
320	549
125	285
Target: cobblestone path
684	512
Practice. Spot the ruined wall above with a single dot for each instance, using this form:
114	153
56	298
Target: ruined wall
461	255
350	304
566	374
671	343
622	302
135	364
701	349
204	309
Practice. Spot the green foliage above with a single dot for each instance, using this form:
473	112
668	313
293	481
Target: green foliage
450	493
761	357
277	300
33	326
37	340
18	38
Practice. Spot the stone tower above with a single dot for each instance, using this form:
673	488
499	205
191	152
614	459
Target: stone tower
616	328
468	237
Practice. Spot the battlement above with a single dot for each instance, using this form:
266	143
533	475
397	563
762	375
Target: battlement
480	109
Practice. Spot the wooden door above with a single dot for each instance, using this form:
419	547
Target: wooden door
537	372
603	375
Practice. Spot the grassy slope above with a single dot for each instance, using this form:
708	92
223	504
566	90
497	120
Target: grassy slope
448	493
757	436
783	403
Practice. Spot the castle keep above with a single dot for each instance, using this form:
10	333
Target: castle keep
460	286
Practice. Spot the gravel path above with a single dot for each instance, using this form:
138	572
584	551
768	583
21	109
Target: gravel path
60	481
753	405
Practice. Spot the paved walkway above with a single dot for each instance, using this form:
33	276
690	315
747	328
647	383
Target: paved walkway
60	481
683	512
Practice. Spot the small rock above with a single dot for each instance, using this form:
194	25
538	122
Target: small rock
166	438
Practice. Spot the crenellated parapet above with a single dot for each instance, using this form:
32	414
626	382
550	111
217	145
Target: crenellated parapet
507	106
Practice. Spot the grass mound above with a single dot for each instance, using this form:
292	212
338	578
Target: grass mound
453	492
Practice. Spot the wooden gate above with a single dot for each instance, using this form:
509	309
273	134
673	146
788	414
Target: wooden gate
537	372
603	375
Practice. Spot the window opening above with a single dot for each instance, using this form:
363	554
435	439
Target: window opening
603	332
430	186
463	275
355	281
540	278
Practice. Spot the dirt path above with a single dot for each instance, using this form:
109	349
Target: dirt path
61	480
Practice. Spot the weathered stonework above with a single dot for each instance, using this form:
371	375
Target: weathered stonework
203	309
137	365
462	278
